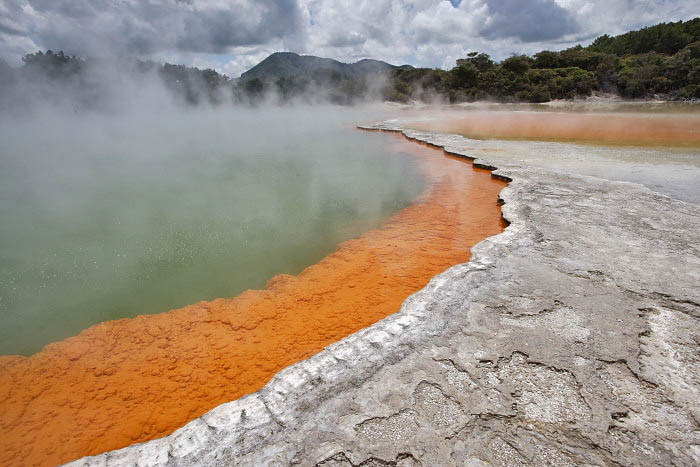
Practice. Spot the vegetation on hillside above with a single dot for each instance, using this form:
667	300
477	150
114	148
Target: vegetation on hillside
657	60
292	77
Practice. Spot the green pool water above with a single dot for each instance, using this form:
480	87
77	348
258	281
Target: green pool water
104	218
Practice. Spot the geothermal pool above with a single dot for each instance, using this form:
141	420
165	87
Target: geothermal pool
324	229
131	380
109	219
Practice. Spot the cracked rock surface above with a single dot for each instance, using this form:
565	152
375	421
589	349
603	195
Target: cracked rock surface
570	339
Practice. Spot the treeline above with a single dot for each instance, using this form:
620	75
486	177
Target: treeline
659	60
89	83
84	84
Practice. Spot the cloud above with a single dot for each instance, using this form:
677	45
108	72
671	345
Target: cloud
532	21
133	27
214	30
233	35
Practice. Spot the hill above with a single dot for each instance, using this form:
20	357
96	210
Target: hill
663	38
660	61
292	65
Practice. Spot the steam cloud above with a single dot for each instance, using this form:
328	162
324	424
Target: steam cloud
61	84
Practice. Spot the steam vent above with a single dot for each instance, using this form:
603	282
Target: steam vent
133	380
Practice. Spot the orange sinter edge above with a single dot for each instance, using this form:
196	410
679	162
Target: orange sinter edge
626	130
131	380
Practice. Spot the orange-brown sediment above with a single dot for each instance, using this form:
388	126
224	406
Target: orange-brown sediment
131	380
643	130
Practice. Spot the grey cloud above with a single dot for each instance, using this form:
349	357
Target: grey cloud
9	23
104	27
213	31
72	9
11	29
529	21
346	40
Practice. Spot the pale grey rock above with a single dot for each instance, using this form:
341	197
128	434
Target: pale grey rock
569	339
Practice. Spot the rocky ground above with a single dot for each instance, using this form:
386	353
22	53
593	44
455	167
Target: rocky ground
570	339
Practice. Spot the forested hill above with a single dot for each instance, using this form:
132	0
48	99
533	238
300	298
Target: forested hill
659	60
664	38
290	65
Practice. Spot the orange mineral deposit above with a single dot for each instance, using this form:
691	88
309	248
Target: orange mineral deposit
132	380
595	128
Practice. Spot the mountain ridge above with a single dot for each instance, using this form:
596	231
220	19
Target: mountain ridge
289	65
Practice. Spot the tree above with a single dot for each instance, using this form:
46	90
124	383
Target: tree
518	64
481	61
546	59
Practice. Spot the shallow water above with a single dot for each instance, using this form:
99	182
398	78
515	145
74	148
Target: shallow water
660	151
108	218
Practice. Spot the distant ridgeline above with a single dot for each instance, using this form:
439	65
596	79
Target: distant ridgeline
658	60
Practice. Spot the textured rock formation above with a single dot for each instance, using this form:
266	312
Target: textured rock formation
569	339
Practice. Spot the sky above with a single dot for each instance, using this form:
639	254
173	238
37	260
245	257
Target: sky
233	35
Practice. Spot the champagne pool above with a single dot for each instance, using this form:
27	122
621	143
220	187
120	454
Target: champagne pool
237	203
106	218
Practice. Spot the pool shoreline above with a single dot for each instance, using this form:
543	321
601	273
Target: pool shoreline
103	352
